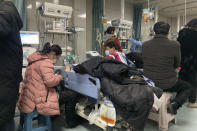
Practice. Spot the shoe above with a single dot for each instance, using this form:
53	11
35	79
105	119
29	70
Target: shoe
171	108
192	105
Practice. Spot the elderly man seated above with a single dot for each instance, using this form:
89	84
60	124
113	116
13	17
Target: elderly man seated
161	58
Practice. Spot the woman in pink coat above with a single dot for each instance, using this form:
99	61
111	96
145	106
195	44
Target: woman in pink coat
38	90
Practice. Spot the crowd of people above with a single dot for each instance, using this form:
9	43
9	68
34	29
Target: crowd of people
162	57
159	58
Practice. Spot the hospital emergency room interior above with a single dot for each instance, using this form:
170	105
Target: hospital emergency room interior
108	59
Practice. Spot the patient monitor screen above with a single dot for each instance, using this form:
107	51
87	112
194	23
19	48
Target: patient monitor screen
29	37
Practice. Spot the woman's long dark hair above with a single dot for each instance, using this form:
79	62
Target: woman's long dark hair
110	29
48	47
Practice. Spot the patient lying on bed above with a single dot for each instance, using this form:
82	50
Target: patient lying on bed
113	53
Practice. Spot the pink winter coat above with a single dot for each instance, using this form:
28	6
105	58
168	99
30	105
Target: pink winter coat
38	90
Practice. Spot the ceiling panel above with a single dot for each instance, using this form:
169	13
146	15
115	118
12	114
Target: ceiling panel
171	8
137	1
174	7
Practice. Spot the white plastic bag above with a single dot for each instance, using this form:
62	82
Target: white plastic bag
92	117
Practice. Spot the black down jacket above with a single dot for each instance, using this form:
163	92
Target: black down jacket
188	40
102	67
136	58
11	57
133	102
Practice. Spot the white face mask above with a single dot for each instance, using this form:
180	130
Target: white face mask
107	52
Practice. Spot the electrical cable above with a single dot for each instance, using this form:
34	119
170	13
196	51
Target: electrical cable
77	48
38	27
53	38
75	36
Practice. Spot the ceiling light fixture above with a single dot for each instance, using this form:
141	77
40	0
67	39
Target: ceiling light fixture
82	15
38	4
109	22
29	6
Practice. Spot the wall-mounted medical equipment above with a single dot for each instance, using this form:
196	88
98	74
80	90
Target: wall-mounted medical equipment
54	10
57	26
61	15
57	21
122	23
123	29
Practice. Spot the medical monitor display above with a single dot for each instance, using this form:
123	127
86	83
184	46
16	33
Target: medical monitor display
28	37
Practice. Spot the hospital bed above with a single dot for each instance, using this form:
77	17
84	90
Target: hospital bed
90	86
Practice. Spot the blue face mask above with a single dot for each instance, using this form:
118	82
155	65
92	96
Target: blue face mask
107	52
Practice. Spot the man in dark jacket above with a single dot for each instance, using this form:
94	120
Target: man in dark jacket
188	40
11	56
161	57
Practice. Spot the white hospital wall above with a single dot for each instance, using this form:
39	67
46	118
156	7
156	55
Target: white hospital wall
113	10
80	39
173	22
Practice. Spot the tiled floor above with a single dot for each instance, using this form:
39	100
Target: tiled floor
186	121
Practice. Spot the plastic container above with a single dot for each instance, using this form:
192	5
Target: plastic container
108	113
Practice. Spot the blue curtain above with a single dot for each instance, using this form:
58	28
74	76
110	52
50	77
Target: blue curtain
21	6
97	26
137	21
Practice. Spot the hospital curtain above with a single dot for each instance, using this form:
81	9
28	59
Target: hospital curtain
21	6
137	21
97	26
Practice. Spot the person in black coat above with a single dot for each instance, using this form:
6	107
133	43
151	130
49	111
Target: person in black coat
11	56
188	41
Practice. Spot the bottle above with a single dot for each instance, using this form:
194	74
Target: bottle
108	113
